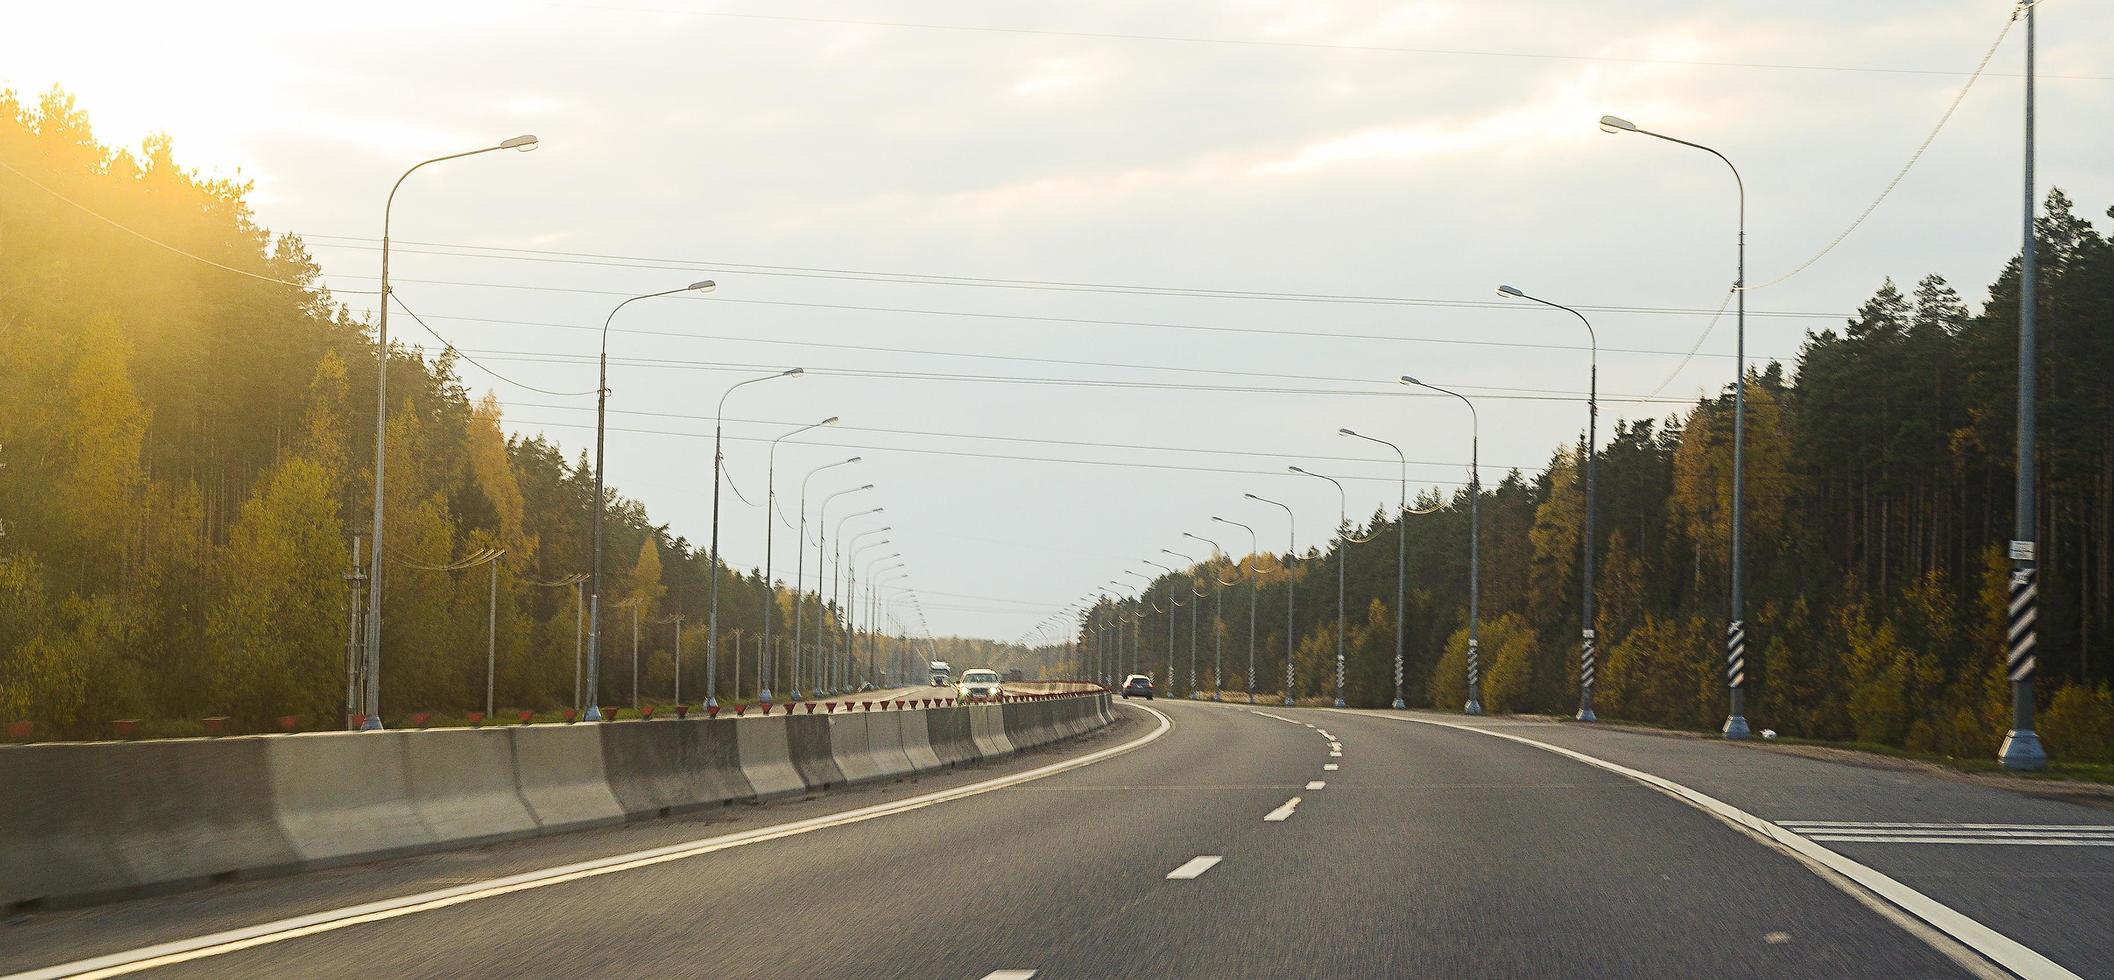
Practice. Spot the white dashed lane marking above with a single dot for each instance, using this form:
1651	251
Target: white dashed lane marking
1335	753
1316	784
1329	767
1010	975
1283	813
1195	867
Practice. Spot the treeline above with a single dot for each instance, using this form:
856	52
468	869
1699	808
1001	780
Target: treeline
185	455
1879	487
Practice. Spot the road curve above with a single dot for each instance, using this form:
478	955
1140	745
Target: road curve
1426	852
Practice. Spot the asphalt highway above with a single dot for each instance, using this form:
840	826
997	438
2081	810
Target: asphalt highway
1200	840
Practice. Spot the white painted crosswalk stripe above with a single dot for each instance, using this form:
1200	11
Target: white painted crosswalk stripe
1884	832
1194	867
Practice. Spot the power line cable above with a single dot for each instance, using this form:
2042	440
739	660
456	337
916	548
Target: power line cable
158	243
1276	43
449	345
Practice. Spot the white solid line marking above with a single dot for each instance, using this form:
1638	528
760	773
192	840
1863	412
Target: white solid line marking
2014	841
1278	717
1329	767
1194	868
1325	734
2000	949
2087	828
1281	814
233	940
1316	784
1010	975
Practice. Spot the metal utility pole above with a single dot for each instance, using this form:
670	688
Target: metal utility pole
491	634
1587	634
1291	544
373	704
1475	544
719	421
353	579
2022	747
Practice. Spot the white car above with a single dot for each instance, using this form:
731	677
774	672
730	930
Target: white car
979	684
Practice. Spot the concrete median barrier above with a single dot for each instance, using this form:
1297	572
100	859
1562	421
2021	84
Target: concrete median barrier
644	765
463	787
766	757
987	728
559	771
87	822
807	743
711	763
917	740
342	798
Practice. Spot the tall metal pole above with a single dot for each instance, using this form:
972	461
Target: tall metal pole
1254	590
1401	558
1736	625
594	601
1587	633
1475	544
1343	554
1291	543
353	654
491	635
679	663
770	524
373	699
2022	747
821	522
713	568
800	569
579	624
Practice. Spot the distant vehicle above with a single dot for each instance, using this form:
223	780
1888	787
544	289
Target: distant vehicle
942	675
1137	685
980	683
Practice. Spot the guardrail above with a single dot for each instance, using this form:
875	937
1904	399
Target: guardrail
97	821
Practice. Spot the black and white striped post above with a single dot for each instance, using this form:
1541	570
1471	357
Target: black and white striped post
1736	678
2022	748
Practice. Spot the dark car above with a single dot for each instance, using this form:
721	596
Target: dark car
1137	686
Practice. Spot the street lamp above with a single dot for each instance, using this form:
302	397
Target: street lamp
821	624
826	667
1475	538
800	575
1401	557
712	628
1736	626
1218	622
1173	604
1587	633
1343	556
2022	747
381	428
1291	543
1194	593
594	601
770	497
1254	590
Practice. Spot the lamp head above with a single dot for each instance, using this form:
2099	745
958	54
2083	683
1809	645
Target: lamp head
1345	432
1295	469
1251	496
1406	379
792	372
1510	291
702	286
832	420
866	487
524	143
855	459
1616	124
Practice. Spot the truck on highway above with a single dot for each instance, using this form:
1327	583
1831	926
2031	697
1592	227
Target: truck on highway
942	675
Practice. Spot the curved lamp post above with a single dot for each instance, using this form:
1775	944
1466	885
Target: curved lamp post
373	640
1401	556
1343	557
1475	538
1254	591
1587	634
1736	626
594	589
800	579
719	461
770	505
1291	544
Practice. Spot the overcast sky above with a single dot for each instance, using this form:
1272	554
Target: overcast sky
1403	151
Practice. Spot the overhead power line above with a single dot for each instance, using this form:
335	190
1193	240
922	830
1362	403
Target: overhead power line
1194	39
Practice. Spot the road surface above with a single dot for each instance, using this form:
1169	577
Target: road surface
1200	840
